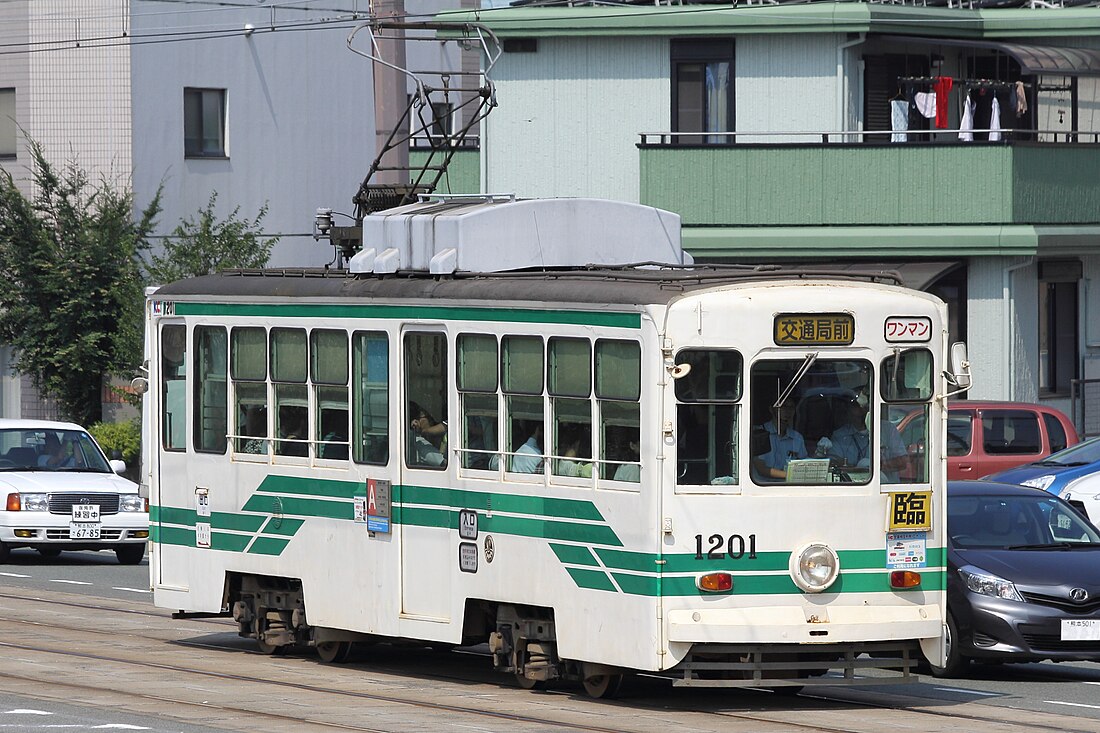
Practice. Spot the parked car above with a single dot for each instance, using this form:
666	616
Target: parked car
61	493
987	437
1070	473
1023	577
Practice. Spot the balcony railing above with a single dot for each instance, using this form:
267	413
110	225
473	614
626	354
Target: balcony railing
845	179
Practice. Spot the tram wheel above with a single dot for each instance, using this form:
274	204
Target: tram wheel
603	686
334	652
49	551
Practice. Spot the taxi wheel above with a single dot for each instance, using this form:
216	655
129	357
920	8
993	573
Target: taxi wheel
49	551
956	662
5	551
130	554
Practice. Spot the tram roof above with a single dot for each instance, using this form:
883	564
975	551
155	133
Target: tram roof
627	285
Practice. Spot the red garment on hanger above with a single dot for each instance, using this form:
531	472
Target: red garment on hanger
942	87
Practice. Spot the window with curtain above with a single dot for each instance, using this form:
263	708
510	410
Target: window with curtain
477	367
288	373
618	391
204	123
522	379
211	360
9	141
371	397
569	382
702	90
329	371
248	369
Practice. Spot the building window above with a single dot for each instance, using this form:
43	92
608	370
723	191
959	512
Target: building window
702	90
204	123
8	128
1058	352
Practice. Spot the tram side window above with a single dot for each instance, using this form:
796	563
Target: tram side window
371	397
569	382
906	387
248	369
288	372
522	382
173	380
618	390
426	388
707	416
211	397
329	371
477	377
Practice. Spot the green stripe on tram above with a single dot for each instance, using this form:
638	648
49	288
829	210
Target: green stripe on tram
508	503
456	313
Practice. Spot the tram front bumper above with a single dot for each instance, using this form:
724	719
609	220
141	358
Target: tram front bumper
804	624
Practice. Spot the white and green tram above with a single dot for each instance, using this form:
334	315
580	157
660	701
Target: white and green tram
680	469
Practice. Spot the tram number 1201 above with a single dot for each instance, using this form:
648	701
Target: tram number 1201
719	547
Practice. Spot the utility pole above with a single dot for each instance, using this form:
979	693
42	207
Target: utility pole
390	92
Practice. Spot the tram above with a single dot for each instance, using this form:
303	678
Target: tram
640	465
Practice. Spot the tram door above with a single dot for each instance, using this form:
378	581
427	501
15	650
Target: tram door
428	545
169	431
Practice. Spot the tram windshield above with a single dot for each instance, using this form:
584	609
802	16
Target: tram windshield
812	422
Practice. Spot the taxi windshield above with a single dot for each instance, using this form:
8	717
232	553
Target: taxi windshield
38	449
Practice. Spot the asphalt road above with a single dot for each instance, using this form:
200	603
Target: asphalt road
1067	689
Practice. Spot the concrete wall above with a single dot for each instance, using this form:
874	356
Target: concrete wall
299	119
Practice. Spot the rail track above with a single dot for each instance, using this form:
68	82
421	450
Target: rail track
198	668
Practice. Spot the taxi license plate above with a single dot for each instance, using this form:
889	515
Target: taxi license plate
85	512
83	531
1080	629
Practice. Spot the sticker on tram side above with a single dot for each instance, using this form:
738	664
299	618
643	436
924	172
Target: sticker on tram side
905	550
467	557
467	524
378	506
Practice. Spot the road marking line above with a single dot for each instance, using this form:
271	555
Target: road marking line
967	692
70	582
1072	704
1090	683
23	711
134	590
14	575
122	726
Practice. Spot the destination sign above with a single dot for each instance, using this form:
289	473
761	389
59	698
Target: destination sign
814	329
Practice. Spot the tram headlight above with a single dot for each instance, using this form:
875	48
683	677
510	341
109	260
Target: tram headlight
814	567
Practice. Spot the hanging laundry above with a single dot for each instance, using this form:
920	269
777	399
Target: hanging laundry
899	120
966	126
942	87
925	103
1020	104
995	120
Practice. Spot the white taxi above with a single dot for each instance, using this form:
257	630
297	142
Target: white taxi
60	492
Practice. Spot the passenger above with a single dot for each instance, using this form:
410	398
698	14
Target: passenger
294	432
575	442
334	441
785	444
894	455
630	471
255	426
528	457
55	455
852	440
426	437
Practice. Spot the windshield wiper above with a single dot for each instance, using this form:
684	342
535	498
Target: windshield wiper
1054	546
1048	463
806	364
80	470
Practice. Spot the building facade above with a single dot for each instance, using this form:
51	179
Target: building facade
770	130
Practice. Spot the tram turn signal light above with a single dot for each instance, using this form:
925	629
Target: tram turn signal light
904	579
716	582
13	504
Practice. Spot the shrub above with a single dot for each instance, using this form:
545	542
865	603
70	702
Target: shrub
124	437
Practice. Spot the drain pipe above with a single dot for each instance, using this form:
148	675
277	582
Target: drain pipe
1010	318
841	87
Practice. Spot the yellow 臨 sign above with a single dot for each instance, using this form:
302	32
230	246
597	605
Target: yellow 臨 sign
814	329
910	510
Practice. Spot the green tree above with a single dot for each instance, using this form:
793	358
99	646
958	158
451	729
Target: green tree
71	289
204	245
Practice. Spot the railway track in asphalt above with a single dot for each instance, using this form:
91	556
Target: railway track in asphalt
406	681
